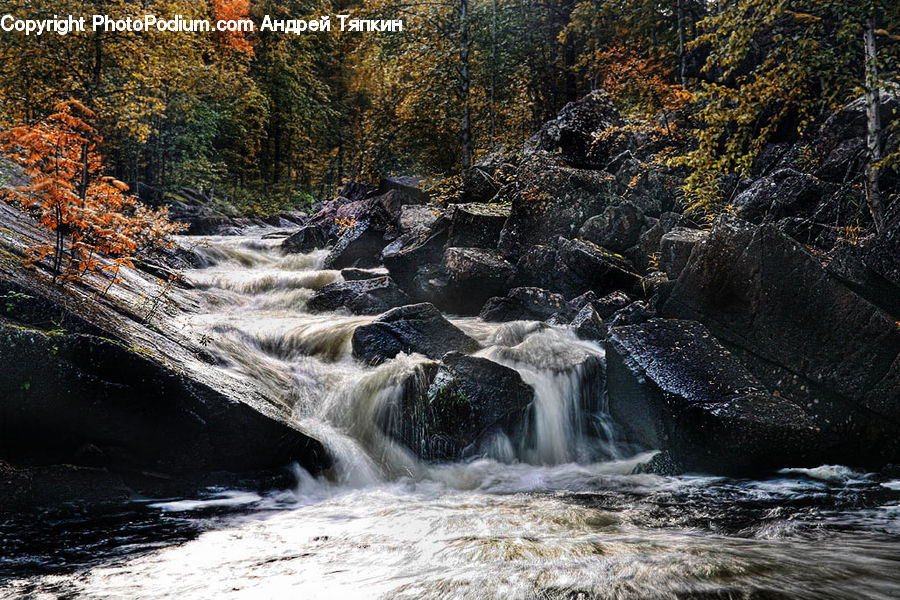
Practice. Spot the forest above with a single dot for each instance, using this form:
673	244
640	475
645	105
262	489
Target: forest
522	300
266	121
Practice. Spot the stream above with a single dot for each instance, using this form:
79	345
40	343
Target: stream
555	513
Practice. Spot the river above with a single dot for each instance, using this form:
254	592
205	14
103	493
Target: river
555	513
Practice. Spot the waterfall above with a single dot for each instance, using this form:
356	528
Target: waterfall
256	327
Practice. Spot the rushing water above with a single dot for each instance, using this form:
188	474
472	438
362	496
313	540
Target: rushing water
553	513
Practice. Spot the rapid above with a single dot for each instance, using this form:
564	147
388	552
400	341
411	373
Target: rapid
555	512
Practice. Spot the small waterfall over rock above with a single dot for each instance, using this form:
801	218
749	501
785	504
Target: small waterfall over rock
257	327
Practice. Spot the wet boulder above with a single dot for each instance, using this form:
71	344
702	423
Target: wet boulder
307	239
358	245
354	274
573	267
605	305
675	249
588	325
473	275
83	399
655	190
633	314
673	387
477	225
360	230
479	184
394	202
840	144
551	201
470	400
571	135
871	267
414	257
527	304
364	297
882	256
803	332
617	228
784	193
416	328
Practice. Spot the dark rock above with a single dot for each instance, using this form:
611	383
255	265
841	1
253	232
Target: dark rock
418	216
477	225
870	267
199	218
393	203
306	240
655	190
417	255
784	193
365	297
583	300
287	219
650	284
64	392
675	249
411	186
416	328
675	388
470	399
361	229
473	276
354	274
882	256
599	269
650	240
358	245
617	228
354	191
633	314
479	184
662	463
840	144
811	233
571	133
588	325
802	332
551	201
527	304
572	267
604	306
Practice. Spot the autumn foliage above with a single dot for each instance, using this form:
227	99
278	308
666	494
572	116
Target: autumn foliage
232	10
90	215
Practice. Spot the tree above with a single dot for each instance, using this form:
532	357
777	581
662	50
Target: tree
72	198
873	124
781	68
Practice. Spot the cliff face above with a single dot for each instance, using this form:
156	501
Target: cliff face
108	382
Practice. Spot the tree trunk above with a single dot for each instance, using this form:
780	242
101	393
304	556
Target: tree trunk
682	67
873	137
466	125
493	71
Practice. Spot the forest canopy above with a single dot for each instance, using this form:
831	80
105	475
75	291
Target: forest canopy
267	120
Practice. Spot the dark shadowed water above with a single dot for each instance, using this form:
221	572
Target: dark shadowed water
555	513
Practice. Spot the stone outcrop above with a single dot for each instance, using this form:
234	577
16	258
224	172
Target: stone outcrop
416	328
675	388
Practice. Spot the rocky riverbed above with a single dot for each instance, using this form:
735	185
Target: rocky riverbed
557	339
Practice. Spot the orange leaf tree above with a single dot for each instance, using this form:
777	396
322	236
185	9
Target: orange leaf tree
89	214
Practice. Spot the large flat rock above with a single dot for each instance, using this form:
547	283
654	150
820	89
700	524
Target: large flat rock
673	387
800	330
